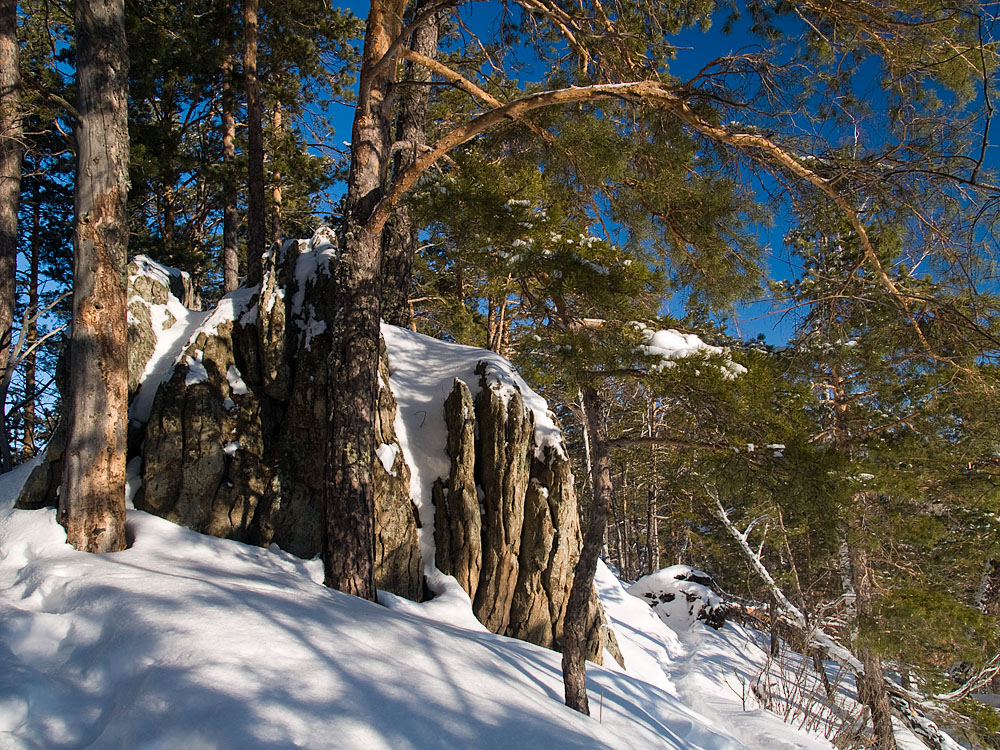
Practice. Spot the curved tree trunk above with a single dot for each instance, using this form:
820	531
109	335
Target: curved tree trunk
92	497
348	495
578	608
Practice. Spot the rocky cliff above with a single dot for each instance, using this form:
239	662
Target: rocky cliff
471	473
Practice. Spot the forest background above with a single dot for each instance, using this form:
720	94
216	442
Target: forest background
836	160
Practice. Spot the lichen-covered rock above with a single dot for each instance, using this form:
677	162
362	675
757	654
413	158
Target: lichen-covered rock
457	515
204	461
506	429
41	488
225	451
149	284
524	505
398	563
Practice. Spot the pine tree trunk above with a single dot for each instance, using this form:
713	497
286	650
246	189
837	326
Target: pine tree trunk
989	602
400	237
230	216
11	153
348	550
871	684
574	643
29	448
92	497
276	231
256	218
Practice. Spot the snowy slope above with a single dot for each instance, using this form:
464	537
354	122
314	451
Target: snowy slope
187	641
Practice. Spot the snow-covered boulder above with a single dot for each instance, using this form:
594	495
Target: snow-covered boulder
681	595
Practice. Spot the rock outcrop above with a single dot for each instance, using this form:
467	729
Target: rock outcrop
505	521
217	420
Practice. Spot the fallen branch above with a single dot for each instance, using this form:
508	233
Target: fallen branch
910	706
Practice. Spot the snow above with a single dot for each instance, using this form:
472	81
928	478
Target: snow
314	258
387	455
674	598
670	345
236	384
173	325
423	371
196	369
185	640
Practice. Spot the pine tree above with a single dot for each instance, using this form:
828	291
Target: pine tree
92	497
11	151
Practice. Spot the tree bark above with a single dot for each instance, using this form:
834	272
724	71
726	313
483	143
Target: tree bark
92	497
989	602
574	643
11	154
348	549
256	219
28	448
230	216
400	236
276	231
871	682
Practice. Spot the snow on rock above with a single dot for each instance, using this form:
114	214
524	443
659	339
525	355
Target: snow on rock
196	369
157	271
422	374
314	258
235	378
680	595
670	345
173	326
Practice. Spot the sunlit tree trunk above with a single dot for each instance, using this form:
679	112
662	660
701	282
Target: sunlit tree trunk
256	219
276	231
400	236
11	154
92	496
230	216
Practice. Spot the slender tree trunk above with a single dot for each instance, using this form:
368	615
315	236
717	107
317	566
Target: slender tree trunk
400	237
856	576
11	154
988	600
574	642
871	684
230	217
30	361
348	551
92	497
276	233
256	218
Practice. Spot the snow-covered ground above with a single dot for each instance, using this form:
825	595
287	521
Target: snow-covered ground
187	641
